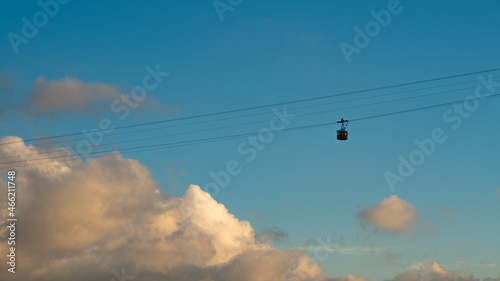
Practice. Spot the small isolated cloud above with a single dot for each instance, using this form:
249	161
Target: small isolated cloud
254	216
444	210
272	234
353	250
435	272
392	256
109	217
70	96
393	215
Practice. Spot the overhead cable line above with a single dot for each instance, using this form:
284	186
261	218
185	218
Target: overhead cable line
249	123
271	105
160	146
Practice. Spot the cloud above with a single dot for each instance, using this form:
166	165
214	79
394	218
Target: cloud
109	217
254	216
433	272
392	256
339	249
272	234
348	278
72	96
444	210
393	215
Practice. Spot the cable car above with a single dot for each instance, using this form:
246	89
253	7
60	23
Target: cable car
342	133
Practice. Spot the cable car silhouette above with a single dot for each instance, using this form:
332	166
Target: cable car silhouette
342	133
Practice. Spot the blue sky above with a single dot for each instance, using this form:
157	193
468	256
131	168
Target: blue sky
304	182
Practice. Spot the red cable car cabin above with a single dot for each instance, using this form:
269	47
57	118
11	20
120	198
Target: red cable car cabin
342	133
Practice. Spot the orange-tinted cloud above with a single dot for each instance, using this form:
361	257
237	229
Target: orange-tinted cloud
393	215
109	216
433	271
348	278
70	96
